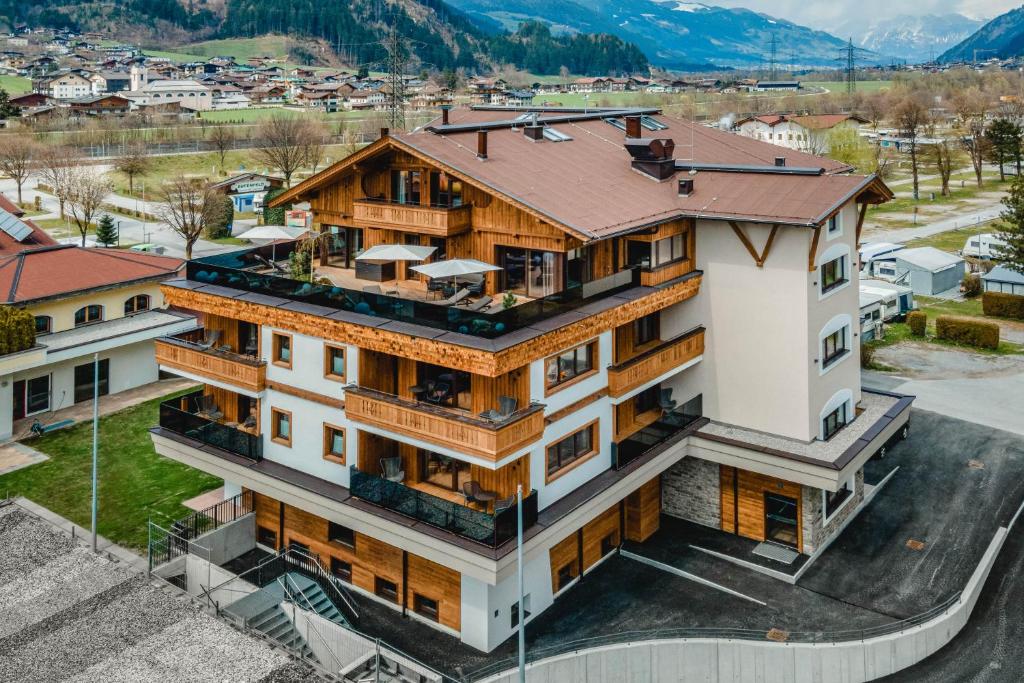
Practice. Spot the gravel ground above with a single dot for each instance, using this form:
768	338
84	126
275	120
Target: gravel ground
69	615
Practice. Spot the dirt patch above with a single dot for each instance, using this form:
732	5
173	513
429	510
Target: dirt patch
927	361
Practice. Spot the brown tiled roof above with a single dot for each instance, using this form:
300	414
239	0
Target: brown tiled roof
55	271
825	121
588	187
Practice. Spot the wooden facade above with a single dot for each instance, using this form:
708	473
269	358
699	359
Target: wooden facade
743	502
369	559
643	511
425	220
220	367
654	361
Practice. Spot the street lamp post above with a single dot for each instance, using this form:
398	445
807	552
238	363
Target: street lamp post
95	439
519	565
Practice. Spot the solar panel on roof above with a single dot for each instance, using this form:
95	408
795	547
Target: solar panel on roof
523	117
14	227
651	123
618	123
556	135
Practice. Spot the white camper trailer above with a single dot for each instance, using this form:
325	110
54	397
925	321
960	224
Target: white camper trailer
877	251
896	300
984	246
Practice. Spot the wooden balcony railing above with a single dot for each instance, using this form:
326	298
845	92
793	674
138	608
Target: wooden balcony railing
630	374
446	427
427	220
223	366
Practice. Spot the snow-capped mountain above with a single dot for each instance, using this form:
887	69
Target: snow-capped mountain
917	38
672	33
1001	37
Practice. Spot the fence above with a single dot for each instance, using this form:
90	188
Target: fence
167	544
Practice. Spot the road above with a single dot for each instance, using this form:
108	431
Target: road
974	216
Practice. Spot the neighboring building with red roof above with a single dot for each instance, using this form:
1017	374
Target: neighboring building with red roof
84	301
803	133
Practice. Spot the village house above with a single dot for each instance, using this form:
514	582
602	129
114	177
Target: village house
805	133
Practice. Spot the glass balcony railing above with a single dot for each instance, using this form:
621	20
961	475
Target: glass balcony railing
489	529
206	430
653	435
236	270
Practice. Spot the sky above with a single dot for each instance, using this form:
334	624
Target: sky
832	15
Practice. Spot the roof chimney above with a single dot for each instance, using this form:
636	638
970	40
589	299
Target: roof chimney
384	132
685	187
481	144
444	114
534	132
780	161
652	156
632	126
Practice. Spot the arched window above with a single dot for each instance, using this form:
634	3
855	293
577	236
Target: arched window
834	341
836	414
139	302
88	314
44	324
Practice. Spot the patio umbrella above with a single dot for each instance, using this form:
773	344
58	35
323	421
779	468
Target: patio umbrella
396	252
273	234
454	267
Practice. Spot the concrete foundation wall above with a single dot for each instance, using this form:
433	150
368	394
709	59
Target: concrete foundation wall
202	575
691	489
738	661
229	541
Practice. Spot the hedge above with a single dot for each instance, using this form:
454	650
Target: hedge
917	320
969	331
1003	305
17	330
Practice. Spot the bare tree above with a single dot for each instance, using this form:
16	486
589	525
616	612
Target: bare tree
319	136
57	167
977	146
286	143
87	191
134	162
911	118
223	139
944	157
17	158
188	208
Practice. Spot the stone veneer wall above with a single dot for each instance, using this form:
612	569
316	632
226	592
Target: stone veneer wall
691	489
814	534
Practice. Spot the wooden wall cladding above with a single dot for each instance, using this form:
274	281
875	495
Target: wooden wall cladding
565	552
224	369
370	558
628	421
428	350
594	531
752	488
504	480
654	362
643	511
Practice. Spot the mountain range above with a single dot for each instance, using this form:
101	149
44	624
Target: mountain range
674	34
1001	37
915	38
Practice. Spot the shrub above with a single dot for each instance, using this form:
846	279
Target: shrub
967	331
867	356
971	285
273	216
17	330
225	212
917	320
1003	305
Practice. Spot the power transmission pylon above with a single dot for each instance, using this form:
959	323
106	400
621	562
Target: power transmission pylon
773	62
851	68
397	60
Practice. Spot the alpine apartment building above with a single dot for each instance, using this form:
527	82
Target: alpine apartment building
656	318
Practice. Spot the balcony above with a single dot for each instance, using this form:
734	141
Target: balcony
447	427
654	362
181	416
662	431
492	530
186	353
437	221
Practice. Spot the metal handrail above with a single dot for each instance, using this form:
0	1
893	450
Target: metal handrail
290	594
329	580
622	637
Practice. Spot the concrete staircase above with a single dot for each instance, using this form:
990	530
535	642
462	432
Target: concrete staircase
262	611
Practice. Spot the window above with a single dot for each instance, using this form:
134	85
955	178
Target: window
647	400
84	375
281	426
298	546
424	606
834	421
833	274
383	588
570	365
336	533
646	329
334	362
833	347
571	450
566	575
31	396
266	537
405	187
334	444
44	324
835	499
137	303
341	569
88	314
445	190
835	224
282	350
658	253
515	611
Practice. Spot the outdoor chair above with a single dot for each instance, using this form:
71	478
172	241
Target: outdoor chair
476	288
456	298
208	408
435	288
392	469
474	494
212	337
373	289
666	401
438	393
480	304
504	504
506	407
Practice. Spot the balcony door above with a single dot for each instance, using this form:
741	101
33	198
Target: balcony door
780	519
345	244
532	273
84	380
440	470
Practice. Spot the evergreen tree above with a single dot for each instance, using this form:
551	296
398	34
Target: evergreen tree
106	231
7	110
1005	138
1012	227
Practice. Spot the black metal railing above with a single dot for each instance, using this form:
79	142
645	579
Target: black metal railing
650	437
412	205
194	426
492	530
167	544
235	270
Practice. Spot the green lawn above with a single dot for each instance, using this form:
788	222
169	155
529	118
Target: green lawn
15	85
838	86
178	57
135	483
933	307
957	195
951	240
240	48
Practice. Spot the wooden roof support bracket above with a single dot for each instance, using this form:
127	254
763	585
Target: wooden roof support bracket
860	220
814	249
759	259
